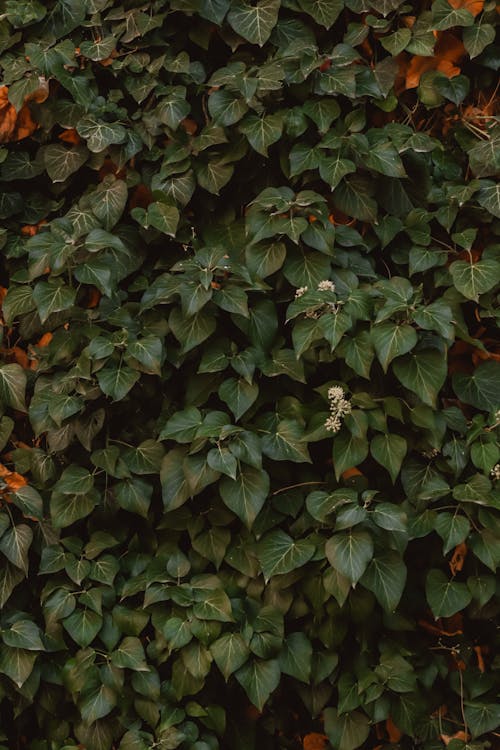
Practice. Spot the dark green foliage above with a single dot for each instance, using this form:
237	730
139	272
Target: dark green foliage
250	389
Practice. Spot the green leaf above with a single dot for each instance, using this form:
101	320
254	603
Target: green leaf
29	502
348	451
278	553
130	655
221	459
445	596
482	717
333	168
148	351
486	547
348	731
424	373
213	175
97	702
396	42
23	634
295	659
17	663
192	331
97	273
226	108
473	279
230	652
50	297
18	300
163	217
238	395
385	159
116	382
392	340
455	89
83	626
134	495
263	259
389	451
245	495
15	544
262	132
259	679
445	16
213	605
489	197
482	388
6	427
385	576
100	135
324	12
350	552
10	577
213	543
61	162
476	38
286	443
453	529
354	197
13	386
66	509
182	426
110	199
254	22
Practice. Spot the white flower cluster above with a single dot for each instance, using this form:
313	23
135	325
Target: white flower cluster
326	286
339	408
495	472
432	453
300	291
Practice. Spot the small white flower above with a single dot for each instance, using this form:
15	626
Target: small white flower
300	291
495	472
339	408
326	286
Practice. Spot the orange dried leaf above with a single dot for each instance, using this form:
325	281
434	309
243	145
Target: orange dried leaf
473	6
458	558
45	339
448	51
352	472
94	298
25	125
314	741
393	732
141	197
461	735
480	659
70	136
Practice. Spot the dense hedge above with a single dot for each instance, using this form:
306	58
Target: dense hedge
249	378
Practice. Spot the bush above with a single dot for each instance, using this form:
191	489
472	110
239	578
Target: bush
250	383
